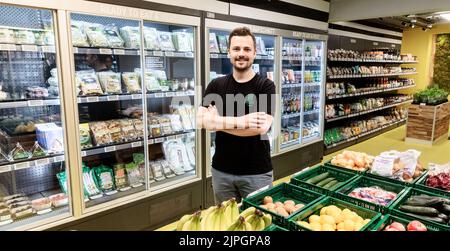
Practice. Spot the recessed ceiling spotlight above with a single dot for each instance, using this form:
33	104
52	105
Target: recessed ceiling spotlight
429	26
445	16
413	25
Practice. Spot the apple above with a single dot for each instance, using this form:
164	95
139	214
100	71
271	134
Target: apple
389	228
416	226
398	226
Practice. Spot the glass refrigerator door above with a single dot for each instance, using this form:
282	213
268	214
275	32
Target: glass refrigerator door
220	65
170	84
291	93
110	106
312	95
33	177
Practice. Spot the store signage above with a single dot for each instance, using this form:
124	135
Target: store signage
136	144
375	43
210	15
92	99
158	53
189	54
169	54
110	149
58	159
136	96
83	153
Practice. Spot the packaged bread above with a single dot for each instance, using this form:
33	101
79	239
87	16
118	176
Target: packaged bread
181	41
115	132
88	83
166	127
110	82
165	41
154	126
127	127
138	128
151	81
100	132
175	122
131	81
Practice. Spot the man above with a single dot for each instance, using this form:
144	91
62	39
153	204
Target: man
99	62
239	107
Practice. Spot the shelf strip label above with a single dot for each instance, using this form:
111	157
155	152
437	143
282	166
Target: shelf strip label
6	168
41	162
22	165
110	149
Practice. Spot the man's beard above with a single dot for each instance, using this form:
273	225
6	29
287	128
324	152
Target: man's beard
244	69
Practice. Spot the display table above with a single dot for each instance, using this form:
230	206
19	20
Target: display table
427	124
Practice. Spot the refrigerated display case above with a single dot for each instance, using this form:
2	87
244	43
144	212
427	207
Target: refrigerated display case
33	175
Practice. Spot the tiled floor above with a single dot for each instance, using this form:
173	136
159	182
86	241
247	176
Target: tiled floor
393	140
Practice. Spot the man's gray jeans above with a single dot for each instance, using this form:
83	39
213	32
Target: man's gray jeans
227	186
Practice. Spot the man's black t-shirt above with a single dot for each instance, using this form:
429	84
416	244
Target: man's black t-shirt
234	154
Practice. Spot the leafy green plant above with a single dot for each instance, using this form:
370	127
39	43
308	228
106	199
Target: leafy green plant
441	75
433	95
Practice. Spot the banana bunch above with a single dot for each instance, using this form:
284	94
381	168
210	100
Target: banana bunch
257	220
216	219
190	222
240	225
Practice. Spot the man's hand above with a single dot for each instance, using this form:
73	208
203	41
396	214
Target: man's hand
252	120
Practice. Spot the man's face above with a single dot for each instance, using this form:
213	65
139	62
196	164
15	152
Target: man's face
242	52
90	59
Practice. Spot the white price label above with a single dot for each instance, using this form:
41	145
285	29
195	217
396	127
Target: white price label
375	43
75	50
151	141
189	54
5	168
171	137
181	94
270	57
8	47
213	55
169	54
158	53
29	47
353	41
112	98
170	94
21	165
49	49
41	162
105	51
136	144
159	95
83	153
110	149
35	102
119	51
92	99
159	140
136	96
58	159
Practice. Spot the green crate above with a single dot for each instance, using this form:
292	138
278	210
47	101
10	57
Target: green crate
421	184
365	181
327	201
411	192
403	183
282	192
274	227
338	173
405	219
328	163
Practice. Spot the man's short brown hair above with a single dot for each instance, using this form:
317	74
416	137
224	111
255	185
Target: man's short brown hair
241	31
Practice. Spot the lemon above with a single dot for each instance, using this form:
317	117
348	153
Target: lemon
314	218
326	219
340	218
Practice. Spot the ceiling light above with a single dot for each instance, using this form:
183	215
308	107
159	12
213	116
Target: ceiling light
413	20
429	26
413	25
445	16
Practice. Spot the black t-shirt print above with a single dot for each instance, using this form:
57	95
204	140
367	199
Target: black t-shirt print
234	154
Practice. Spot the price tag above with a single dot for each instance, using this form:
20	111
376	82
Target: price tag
136	144
271	57
92	99
110	149
105	51
151	141
83	154
181	94
41	162
158	53
159	140
6	168
169	54
21	165
112	98
119	51
213	55
75	50
29	47
170	137
58	159
79	100
49	49
159	95
35	102
170	94
8	47
189	54
136	96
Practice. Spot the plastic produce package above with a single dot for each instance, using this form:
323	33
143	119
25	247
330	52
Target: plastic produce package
134	176
79	38
88	83
401	166
176	154
176	171
131	36
151	81
100	132
113	37
151	39
110	82
105	178
131	81
96	35
165	41
85	136
182	42
24	37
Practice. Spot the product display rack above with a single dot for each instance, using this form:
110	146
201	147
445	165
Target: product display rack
368	87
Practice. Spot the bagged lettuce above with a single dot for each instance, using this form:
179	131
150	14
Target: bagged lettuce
113	37
151	39
131	36
105	178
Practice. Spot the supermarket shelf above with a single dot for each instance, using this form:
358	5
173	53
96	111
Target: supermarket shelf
28	47
225	55
114	196
290	143
311	137
155	185
373	61
368	111
292	58
17	224
111	148
371	76
106	51
329	97
312	84
291	85
292	115
362	137
311	112
29	103
180	135
172	54
171	94
29	163
94	99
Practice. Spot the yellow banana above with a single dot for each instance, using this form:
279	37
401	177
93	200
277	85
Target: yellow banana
196	218
247	212
251	219
207	223
232	210
233	226
182	221
188	225
260	225
267	219
240	224
247	226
